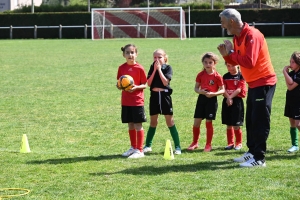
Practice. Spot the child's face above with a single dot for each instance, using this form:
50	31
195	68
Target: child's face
232	69
130	55
294	66
208	64
159	56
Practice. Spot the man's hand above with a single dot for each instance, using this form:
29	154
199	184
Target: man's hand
228	45
222	49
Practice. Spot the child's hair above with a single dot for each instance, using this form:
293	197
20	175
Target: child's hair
164	54
128	45
212	56
238	67
296	57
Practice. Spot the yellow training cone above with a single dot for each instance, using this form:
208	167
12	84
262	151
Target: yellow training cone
24	145
168	155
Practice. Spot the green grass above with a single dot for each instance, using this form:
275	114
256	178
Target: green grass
62	94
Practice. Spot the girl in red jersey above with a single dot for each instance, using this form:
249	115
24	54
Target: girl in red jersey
209	84
133	111
233	106
292	103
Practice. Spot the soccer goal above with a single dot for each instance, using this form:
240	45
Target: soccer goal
153	22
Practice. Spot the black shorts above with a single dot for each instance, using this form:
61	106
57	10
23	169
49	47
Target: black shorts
292	109
161	103
133	114
233	115
206	108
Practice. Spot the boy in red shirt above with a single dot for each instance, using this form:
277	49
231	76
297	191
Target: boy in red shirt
233	106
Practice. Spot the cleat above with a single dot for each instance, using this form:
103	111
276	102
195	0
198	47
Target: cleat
128	152
147	149
207	148
137	154
238	147
293	149
193	146
229	147
177	151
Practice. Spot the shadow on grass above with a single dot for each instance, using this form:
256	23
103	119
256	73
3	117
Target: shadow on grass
271	155
154	170
75	159
282	156
234	153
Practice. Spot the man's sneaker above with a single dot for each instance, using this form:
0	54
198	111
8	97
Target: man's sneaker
193	146
137	154
238	147
293	149
229	147
147	149
245	157
129	152
207	148
177	151
253	163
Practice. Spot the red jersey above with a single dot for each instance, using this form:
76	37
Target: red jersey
209	82
233	82
137	72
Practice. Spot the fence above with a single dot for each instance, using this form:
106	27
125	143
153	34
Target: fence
85	28
35	29
283	24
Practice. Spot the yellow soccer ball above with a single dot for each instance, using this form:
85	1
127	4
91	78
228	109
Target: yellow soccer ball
125	82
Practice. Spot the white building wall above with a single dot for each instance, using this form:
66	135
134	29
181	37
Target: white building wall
14	4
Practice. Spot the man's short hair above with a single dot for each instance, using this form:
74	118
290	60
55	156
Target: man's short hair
231	13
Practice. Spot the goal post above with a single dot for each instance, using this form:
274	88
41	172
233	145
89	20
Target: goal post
151	22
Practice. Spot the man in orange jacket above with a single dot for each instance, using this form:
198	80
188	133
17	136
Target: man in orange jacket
250	51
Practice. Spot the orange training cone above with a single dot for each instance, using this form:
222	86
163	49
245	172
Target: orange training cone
24	145
168	155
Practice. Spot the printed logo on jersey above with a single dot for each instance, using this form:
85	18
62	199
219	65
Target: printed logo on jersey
130	69
259	99
211	82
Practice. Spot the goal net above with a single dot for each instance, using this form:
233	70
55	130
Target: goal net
153	22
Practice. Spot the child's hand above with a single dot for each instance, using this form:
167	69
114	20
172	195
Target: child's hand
157	65
117	86
202	91
229	101
209	94
286	68
132	89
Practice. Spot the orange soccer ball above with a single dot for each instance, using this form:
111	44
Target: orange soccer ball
125	82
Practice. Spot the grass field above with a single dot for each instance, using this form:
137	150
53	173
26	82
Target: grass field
62	94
